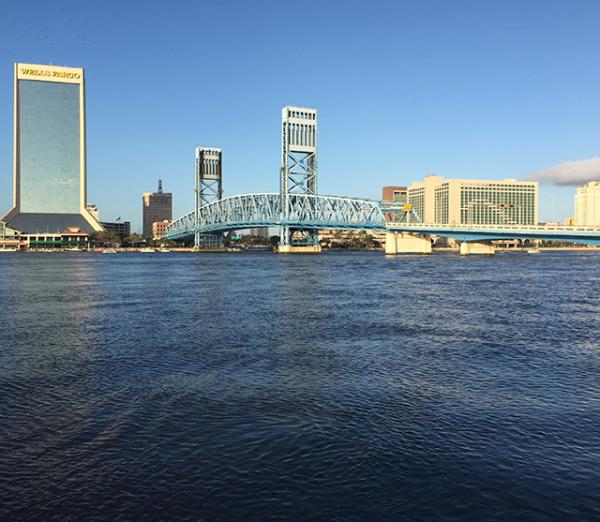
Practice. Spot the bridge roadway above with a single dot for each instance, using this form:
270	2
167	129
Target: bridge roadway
318	212
481	233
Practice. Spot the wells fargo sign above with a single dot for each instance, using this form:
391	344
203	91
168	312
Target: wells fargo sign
25	71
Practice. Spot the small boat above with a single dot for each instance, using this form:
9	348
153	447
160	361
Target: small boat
109	251
147	250
164	250
533	250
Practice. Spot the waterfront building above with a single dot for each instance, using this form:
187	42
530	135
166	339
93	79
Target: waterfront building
421	195
157	206
475	201
587	204
69	238
43	241
74	237
121	228
159	228
395	194
9	238
49	167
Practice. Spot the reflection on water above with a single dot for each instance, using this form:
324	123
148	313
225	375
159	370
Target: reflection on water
345	386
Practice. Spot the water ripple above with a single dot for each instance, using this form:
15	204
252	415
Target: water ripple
340	387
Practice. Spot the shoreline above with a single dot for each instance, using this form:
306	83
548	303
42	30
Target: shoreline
254	250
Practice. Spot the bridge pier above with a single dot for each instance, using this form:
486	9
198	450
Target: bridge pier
208	250
298	249
208	243
468	248
405	243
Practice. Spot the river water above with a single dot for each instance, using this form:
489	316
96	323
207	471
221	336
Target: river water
343	386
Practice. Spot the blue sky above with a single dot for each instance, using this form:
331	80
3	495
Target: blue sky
473	89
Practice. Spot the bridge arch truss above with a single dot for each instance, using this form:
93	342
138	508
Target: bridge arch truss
304	211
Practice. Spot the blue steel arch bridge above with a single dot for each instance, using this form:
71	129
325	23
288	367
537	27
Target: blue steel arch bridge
299	211
306	211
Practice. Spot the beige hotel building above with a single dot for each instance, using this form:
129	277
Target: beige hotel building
587	204
475	201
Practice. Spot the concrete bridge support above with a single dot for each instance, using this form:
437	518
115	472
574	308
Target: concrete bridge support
404	243
468	248
298	249
208	250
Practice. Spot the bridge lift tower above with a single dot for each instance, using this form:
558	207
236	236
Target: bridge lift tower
298	169
209	188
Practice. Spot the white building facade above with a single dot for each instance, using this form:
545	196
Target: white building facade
587	204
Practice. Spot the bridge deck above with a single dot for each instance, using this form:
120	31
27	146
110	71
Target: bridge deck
573	234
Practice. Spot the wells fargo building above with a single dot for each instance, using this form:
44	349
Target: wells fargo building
49	151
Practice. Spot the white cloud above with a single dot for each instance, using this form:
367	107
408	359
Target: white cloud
569	173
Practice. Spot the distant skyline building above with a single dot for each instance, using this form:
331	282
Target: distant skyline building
475	201
121	228
587	204
396	194
49	165
159	228
157	206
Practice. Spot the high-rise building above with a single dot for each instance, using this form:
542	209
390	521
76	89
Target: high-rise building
158	206
49	192
587	204
475	201
395	194
421	197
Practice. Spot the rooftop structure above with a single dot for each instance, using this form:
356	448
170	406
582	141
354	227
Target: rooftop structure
93	210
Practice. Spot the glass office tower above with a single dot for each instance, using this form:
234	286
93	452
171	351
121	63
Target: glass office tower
49	151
